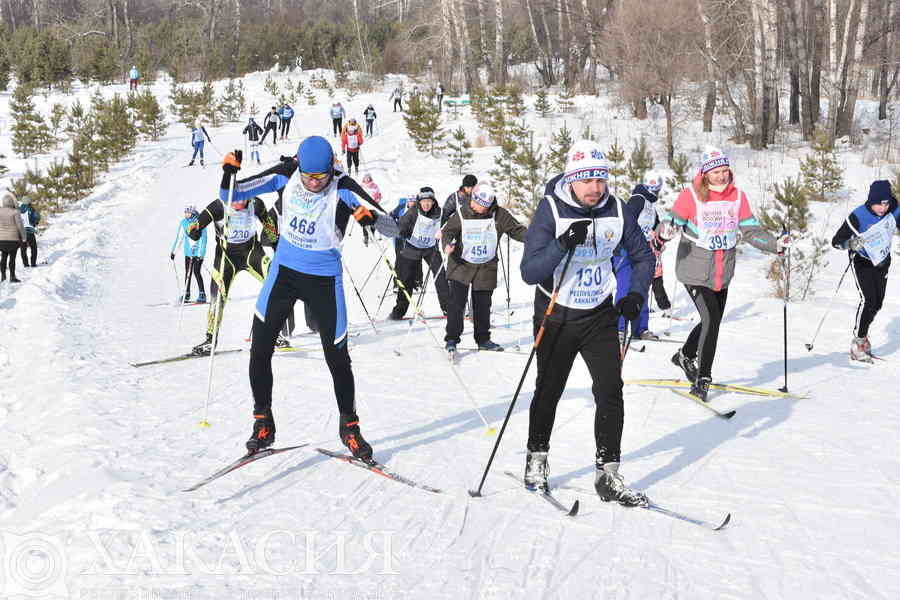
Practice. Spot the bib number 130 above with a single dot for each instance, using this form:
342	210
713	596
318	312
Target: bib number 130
302	226
589	277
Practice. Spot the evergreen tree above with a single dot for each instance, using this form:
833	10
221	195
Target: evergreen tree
639	163
541	103
57	114
233	103
459	147
423	123
300	89
587	134
617	171
29	135
271	87
76	120
115	128
560	143
565	100
528	175
512	99
680	166
289	96
820	170
149	118
505	165
790	207
311	97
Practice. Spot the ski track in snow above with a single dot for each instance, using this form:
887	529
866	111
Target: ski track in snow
94	447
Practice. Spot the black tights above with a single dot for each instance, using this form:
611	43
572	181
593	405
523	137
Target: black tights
192	266
8	251
705	335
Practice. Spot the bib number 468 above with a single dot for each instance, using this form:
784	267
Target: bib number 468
302	226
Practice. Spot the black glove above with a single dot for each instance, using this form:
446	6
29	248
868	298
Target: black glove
575	234
284	158
630	306
172	256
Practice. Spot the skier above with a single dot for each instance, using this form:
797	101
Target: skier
197	133
397	97
461	196
404	204
370	117
579	218
237	249
286	113
270	123
337	118
133	76
867	233
375	192
658	245
194	253
470	239
709	214
641	204
30	219
307	266
12	235
439	93
252	131
351	140
418	229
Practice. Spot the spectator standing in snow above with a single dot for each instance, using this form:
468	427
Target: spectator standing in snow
133	76
439	93
12	235
397	97
30	219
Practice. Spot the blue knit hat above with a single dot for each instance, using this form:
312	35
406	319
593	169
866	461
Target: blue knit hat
880	191
315	155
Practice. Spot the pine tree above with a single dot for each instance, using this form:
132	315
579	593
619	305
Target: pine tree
57	114
115	128
528	174
513	102
29	134
790	206
271	87
565	100
560	143
233	103
311	97
505	165
587	134
617	171
149	118
541	104
639	163
680	166
820	170
423	123
300	89
459	147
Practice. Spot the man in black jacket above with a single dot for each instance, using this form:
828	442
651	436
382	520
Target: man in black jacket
462	196
252	131
418	228
270	123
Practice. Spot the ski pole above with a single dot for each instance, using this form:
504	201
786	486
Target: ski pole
534	347
416	310
220	298
462	383
809	346
786	298
377	264
505	278
356	289
187	281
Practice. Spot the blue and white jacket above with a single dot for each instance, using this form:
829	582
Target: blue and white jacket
197	134
195	249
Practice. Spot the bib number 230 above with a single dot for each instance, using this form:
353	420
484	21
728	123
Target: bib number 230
302	226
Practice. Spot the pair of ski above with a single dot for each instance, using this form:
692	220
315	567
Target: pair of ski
370	465
176	304
190	355
652	506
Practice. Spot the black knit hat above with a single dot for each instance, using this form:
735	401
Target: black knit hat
470	181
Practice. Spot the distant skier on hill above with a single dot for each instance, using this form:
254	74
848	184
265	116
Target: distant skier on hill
194	253
133	76
270	123
867	234
286	113
197	133
397	97
351	142
337	113
370	117
30	219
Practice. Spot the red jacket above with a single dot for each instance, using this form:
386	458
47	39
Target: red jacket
351	141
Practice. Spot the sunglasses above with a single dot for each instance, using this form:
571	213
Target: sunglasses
316	176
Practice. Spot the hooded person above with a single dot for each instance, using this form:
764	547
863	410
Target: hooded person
470	239
337	113
710	214
314	203
642	204
577	229
418	231
867	234
253	131
12	235
31	217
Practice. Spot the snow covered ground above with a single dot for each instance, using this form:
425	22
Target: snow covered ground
94	453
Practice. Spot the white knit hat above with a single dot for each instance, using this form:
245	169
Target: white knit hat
653	182
712	158
585	160
484	194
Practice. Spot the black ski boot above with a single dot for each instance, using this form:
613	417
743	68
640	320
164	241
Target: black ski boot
611	487
537	472
701	387
263	431
282	342
204	348
490	346
353	439
688	365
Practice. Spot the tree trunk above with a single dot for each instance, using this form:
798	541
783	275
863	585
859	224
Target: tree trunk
837	56
129	32
640	109
213	14
794	107
113	20
546	69
800	55
887	19
709	107
845	120
458	14
817	47
36	14
592	47
759	92
499	58
770	93
670	143
362	50
236	38
737	113
484	58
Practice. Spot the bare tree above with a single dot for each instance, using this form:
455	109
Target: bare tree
709	107
886	84
499	57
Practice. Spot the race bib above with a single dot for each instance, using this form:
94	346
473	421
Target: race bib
877	239
479	238
424	232
308	219
717	223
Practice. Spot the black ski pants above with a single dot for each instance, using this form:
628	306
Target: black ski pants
408	272
319	293
336	123
596	338
193	266
285	127
704	336
659	293
352	159
369	124
273	127
871	283
398	103
481	312
31	242
249	257
8	250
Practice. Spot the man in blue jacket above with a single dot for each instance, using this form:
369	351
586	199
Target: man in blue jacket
286	113
577	229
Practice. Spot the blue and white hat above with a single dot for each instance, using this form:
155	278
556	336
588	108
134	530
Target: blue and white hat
653	182
712	158
484	194
315	155
585	160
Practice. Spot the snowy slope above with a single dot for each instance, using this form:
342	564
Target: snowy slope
94	453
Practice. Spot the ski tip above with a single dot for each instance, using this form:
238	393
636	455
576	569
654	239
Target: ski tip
725	522
475	493
574	510
205	423
729	414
